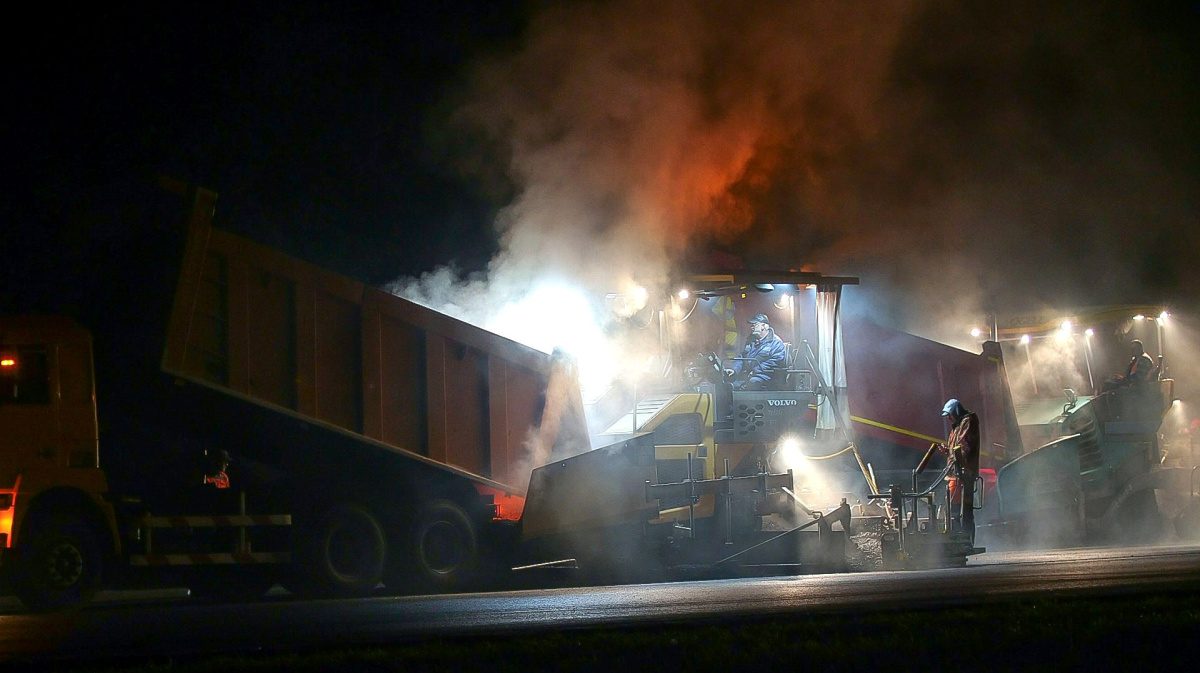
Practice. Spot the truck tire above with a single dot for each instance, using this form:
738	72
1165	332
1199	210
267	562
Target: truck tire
61	568
444	548
345	553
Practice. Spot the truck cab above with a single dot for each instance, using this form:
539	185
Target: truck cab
49	461
47	397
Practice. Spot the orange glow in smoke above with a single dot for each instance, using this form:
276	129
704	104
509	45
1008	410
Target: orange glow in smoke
508	507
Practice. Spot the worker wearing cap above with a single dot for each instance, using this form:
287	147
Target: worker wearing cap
763	361
962	449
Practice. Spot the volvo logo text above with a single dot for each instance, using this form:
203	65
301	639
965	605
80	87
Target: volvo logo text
783	403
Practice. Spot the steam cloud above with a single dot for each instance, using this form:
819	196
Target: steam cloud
959	158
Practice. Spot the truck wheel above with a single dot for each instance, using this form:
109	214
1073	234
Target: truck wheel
347	551
60	569
445	549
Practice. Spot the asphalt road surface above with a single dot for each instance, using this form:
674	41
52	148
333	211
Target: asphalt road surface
168	623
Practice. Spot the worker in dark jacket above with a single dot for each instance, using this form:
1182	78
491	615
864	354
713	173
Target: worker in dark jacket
763	362
1141	366
1141	369
962	450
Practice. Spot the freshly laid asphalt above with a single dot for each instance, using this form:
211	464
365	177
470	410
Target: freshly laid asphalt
168	624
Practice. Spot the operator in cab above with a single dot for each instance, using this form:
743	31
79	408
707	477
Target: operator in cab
962	450
762	364
1141	368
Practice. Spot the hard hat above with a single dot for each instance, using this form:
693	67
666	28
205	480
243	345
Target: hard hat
952	407
762	318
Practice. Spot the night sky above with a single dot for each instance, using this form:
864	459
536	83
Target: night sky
958	157
307	121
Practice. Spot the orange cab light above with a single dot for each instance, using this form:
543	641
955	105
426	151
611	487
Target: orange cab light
6	521
8	497
8	362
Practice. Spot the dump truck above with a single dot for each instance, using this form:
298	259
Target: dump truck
232	417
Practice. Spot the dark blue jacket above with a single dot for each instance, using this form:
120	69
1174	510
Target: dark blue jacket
762	357
1140	370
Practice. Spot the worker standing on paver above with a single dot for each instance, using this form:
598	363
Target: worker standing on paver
962	450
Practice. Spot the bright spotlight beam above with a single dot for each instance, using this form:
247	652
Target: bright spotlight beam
640	295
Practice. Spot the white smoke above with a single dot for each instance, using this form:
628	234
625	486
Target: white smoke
632	132
962	161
